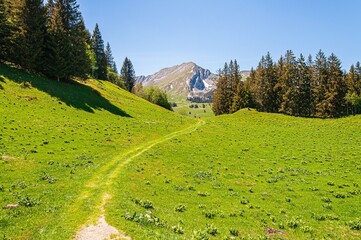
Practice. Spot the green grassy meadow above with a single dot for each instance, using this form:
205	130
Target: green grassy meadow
204	110
64	145
240	173
56	138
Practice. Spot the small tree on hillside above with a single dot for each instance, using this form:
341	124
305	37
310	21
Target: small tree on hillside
128	74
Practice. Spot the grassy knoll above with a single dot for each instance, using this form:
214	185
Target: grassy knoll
242	175
59	142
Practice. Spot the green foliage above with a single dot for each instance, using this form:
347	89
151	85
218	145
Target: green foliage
66	44
128	74
4	31
355	224
291	86
97	45
153	94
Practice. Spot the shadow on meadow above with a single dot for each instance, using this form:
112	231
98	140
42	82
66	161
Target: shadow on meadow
1	80
72	93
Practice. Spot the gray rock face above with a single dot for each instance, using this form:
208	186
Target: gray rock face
184	81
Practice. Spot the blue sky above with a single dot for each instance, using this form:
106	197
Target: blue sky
161	33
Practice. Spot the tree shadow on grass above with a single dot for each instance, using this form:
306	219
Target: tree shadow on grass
2	79
72	93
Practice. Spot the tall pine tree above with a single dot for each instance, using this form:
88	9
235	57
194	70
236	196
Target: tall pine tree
110	59
66	45
34	25
4	31
97	45
128	74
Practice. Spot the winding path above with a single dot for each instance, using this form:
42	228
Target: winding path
99	185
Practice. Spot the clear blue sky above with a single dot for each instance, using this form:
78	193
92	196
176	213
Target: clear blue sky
160	33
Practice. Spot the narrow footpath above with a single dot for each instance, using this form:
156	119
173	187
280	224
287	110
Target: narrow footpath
98	187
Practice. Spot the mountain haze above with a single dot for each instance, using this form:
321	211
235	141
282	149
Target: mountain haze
184	81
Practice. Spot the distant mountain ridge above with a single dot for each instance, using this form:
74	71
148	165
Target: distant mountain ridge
184	81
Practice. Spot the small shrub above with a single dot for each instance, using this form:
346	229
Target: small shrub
244	201
28	201
45	176
200	235
327	205
212	230
306	229
145	204
354	225
234	232
293	223
209	213
180	208
339	195
326	199
178	229
25	85
203	194
144	219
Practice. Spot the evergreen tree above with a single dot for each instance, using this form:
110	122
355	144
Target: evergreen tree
334	103
289	84
128	74
266	95
97	45
4	31
15	39
110	58
304	98
66	44
34	27
225	92
319	83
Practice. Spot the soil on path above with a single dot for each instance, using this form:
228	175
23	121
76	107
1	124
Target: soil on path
102	230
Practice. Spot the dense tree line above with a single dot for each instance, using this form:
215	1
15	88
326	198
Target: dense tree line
294	86
52	39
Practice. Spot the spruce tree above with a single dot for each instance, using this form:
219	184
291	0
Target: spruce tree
319	83
110	58
15	39
34	25
97	45
303	101
267	80
66	45
290	85
336	89
128	74
4	31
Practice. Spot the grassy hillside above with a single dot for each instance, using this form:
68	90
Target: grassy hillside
56	138
247	176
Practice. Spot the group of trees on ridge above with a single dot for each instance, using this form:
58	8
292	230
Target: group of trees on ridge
52	39
293	86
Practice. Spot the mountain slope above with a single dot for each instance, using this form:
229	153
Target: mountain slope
183	81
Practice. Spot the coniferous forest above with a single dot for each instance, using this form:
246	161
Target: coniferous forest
52	39
294	86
